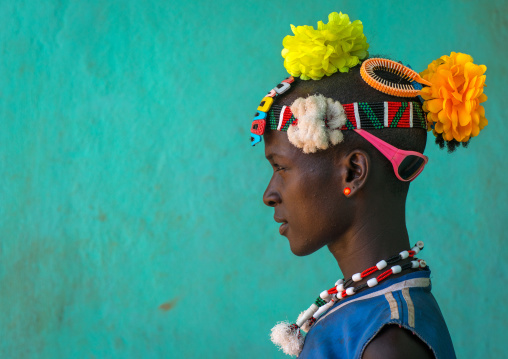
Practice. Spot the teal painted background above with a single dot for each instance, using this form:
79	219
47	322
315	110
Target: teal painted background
131	219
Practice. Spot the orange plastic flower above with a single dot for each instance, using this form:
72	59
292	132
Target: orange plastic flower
453	101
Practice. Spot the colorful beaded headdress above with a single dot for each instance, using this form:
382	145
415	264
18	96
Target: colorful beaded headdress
452	93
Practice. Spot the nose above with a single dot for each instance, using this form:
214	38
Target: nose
271	197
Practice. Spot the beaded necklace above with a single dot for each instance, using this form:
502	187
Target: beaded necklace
289	337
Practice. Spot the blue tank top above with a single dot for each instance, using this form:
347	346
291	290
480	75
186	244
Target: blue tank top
346	329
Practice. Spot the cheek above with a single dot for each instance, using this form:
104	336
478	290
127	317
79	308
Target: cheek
323	192
319	206
317	218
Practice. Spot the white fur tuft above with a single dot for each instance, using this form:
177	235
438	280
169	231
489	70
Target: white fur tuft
310	133
288	339
336	117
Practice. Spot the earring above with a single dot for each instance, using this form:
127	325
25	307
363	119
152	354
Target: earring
347	191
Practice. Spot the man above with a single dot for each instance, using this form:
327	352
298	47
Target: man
360	229
345	140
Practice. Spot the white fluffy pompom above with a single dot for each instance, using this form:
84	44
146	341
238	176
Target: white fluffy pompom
288	338
336	117
310	132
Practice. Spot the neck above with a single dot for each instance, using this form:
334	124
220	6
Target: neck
379	233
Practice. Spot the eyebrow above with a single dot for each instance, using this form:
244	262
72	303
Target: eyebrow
271	156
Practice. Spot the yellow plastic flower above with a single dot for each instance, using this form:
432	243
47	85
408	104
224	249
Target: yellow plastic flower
453	100
338	45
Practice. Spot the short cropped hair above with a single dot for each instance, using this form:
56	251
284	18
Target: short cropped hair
348	88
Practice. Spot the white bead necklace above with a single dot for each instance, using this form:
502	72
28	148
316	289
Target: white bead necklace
288	336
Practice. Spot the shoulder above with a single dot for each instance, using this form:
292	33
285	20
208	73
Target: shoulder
396	342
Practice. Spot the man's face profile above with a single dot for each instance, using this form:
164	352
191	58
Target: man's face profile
305	193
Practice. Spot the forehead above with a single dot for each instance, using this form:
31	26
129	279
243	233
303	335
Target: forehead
277	144
277	147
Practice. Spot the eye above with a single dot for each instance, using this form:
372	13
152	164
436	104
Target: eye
278	168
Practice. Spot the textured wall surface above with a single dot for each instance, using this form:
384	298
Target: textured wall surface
131	220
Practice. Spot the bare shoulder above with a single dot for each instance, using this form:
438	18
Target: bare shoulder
395	342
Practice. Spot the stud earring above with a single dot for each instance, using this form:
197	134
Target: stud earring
347	191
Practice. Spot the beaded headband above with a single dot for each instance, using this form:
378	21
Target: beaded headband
451	95
312	129
360	115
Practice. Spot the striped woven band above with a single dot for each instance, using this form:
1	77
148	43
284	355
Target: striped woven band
361	115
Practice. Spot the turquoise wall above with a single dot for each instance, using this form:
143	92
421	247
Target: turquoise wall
131	220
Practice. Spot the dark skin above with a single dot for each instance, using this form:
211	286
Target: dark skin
359	230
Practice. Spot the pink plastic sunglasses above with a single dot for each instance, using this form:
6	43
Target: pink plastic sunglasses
407	165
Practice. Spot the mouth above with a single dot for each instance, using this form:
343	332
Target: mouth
284	225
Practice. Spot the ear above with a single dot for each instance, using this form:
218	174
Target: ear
355	170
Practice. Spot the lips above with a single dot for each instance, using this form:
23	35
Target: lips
283	226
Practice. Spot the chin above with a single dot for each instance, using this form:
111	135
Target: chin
307	244
302	251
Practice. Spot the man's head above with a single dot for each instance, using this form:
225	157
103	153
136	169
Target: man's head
306	190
